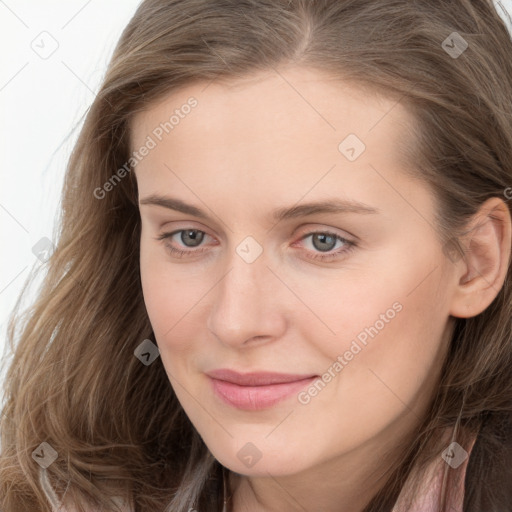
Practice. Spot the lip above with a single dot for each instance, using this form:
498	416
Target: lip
256	390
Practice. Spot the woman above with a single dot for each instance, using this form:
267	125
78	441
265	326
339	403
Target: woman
282	280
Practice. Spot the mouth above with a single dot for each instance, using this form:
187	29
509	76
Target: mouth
257	390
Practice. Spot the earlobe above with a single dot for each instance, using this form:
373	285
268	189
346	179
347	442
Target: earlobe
487	248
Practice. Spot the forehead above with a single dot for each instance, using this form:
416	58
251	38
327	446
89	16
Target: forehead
279	103
284	127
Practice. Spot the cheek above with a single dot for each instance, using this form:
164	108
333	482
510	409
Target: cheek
389	324
165	308
174	297
164	295
400	353
154	284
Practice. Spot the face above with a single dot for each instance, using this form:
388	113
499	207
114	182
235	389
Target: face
349	303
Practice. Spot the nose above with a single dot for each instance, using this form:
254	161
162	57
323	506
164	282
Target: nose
248	305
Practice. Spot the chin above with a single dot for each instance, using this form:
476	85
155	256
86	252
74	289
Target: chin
255	459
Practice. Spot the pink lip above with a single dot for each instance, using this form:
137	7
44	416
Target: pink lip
256	390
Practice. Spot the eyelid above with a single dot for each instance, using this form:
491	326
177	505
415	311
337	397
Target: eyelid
166	235
332	255
322	228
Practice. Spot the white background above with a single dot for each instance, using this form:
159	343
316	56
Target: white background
41	101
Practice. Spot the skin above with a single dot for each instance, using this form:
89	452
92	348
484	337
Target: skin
256	144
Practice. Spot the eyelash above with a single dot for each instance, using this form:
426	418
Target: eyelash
349	245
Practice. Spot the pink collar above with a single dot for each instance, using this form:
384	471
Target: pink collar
430	490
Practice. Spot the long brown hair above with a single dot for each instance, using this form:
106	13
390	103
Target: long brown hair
115	424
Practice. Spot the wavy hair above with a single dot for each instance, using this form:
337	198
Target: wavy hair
72	379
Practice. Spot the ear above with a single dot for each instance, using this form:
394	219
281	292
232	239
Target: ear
483	269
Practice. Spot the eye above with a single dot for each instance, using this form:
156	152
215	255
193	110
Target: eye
322	241
325	241
188	236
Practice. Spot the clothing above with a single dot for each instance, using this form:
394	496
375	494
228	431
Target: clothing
428	498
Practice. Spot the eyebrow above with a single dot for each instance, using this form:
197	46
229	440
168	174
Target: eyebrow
335	205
